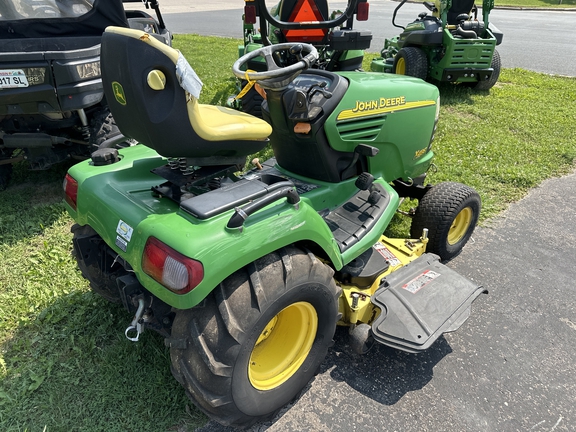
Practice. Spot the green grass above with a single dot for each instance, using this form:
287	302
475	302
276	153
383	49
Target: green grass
536	3
64	361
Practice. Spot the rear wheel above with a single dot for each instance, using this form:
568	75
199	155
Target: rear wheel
489	83
411	61
258	338
450	212
95	263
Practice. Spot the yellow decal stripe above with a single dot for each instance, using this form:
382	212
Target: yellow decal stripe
351	114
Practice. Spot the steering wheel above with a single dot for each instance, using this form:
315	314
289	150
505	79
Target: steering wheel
276	77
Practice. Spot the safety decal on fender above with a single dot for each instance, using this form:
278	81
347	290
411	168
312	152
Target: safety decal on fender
124	230
121	243
387	254
420	281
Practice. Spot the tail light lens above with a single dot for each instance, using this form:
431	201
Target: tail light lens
70	186
169	268
250	14
362	11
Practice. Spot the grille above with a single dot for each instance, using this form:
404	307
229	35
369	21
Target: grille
361	130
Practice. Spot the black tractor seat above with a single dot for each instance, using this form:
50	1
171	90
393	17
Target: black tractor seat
150	105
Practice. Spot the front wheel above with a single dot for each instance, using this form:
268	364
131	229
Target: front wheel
411	61
251	101
450	211
258	338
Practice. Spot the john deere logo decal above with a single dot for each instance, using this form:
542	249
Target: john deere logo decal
119	93
381	106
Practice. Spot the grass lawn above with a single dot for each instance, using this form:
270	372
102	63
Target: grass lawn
537	3
64	361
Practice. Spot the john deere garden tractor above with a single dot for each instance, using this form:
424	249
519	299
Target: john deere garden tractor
448	44
340	47
247	274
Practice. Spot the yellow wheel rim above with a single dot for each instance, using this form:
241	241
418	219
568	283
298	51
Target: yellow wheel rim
283	346
460	226
401	66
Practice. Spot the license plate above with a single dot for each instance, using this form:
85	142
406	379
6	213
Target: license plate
13	78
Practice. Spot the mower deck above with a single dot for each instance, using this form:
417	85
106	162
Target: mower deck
420	302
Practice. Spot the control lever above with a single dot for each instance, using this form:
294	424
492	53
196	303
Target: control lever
318	88
360	150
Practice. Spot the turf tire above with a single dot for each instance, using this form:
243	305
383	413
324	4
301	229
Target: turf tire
102	283
489	83
251	102
102	127
211	344
411	61
450	212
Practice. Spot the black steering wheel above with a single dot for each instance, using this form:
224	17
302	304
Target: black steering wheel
276	77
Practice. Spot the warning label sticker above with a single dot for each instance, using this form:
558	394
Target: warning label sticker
420	281
121	243
387	254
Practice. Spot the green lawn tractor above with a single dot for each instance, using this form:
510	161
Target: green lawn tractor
247	274
450	45
340	47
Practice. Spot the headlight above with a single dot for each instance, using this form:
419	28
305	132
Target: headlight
35	75
88	70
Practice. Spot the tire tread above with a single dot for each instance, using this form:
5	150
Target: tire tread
215	337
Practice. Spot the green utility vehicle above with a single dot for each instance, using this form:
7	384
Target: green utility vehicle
451	44
340	47
246	275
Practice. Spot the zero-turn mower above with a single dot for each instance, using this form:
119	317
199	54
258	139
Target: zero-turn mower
448	44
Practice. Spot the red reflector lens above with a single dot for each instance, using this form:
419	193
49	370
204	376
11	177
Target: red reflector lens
250	14
70	186
306	11
362	11
169	268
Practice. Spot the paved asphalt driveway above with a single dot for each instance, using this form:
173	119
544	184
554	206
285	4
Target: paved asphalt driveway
510	367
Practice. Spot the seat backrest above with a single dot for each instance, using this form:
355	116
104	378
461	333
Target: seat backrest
150	106
459	7
304	10
157	119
